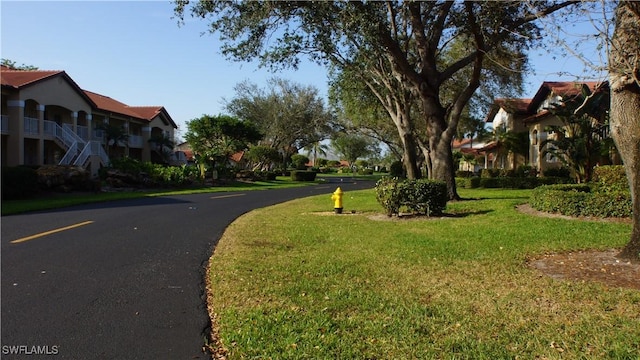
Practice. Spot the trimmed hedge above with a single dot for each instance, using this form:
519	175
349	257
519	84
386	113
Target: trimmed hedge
610	178
303	175
580	200
422	196
508	182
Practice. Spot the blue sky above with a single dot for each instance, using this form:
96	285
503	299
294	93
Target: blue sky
135	53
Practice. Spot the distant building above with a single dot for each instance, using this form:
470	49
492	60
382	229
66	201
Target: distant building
48	119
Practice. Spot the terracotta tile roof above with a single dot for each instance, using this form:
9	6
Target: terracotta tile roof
147	112
490	146
188	154
512	106
108	104
459	143
561	88
20	78
237	157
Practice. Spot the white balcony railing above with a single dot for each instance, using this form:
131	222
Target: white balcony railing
83	132
31	125
135	141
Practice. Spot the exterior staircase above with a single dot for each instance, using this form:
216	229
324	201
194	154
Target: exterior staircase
79	151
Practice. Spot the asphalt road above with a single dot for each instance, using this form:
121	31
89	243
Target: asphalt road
124	280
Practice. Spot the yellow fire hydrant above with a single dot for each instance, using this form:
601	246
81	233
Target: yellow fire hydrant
337	200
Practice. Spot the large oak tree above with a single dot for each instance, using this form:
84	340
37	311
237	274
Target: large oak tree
411	36
291	116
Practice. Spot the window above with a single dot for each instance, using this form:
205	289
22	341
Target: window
534	137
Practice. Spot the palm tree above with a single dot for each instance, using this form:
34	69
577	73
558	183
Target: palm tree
510	142
164	145
113	135
314	149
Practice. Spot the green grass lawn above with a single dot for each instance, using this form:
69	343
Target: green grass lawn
296	281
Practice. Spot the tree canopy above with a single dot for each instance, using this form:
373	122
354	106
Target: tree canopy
353	146
410	40
290	115
215	138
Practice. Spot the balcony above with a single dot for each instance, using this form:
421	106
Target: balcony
31	126
135	141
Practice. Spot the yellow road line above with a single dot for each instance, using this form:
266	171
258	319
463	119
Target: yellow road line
226	196
50	232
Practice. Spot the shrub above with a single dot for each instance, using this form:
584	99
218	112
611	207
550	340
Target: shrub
468	183
490	182
422	196
464	174
473	182
396	169
558	201
365	172
387	195
303	175
134	172
552	180
264	175
18	182
299	161
610	204
489	173
561	172
580	200
525	171
611	178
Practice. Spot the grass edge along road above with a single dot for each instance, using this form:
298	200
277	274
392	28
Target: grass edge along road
296	281
61	200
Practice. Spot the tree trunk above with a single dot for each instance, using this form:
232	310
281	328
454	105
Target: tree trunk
440	152
624	73
409	158
405	131
442	167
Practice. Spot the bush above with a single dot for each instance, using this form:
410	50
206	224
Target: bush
473	182
365	172
299	161
611	178
422	196
387	195
561	172
581	200
396	169
525	171
489	173
610	204
132	172
464	174
566	202
490	182
18	182
303	175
